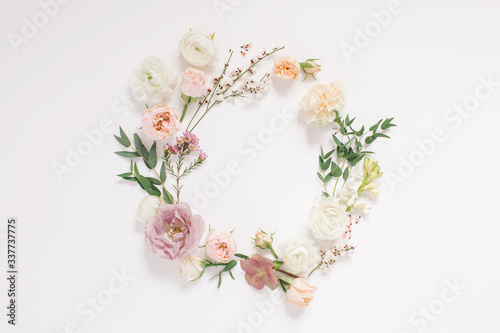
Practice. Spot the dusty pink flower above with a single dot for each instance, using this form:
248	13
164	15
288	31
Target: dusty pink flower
193	82
220	246
300	293
160	122
174	232
260	272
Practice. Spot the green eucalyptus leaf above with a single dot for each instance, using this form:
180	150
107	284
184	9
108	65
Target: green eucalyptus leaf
345	175
138	143
374	127
230	265
127	154
152	156
336	171
241	255
154	181
163	173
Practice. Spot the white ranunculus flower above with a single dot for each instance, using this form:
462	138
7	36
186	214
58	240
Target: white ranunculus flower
191	267
299	256
198	48
153	80
148	207
328	219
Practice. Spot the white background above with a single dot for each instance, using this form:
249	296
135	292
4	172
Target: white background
436	223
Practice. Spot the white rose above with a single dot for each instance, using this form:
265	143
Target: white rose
191	268
328	219
299	256
148	207
153	80
198	48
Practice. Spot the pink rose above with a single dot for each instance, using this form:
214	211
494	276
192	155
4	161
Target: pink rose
193	82
300	293
160	122
174	232
220	246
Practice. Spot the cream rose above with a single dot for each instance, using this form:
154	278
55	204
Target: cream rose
148	208
160	122
198	48
327	219
192	267
321	101
299	256
153	81
286	68
300	293
220	246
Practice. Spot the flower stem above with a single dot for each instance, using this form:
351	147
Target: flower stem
289	274
184	111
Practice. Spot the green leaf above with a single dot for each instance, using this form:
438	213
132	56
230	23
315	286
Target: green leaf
369	140
241	255
387	123
361	131
123	139
381	135
346	174
374	127
163	173
220	280
132	179
328	177
230	265
336	140
138	143
154	181
127	154
277	264
284	285
125	175
351	157
136	170
336	171
321	177
326	194
324	165
144	181
231	275
153	190
329	153
167	196
152	157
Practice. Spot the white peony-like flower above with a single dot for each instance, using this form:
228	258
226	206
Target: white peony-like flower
148	207
191	268
321	101
153	80
198	48
299	256
327	219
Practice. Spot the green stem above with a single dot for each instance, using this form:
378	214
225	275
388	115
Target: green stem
185	109
315	268
273	252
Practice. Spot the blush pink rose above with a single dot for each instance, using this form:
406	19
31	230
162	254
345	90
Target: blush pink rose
174	232
220	246
300	293
193	82
160	122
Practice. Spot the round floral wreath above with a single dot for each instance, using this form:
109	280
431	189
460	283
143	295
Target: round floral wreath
174	233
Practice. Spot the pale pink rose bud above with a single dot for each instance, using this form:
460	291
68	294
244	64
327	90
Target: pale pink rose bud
310	67
220	246
160	122
193	82
300	292
263	240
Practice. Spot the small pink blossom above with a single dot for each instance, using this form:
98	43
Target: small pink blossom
220	246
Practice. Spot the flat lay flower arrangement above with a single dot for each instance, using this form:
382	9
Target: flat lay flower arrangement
348	173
